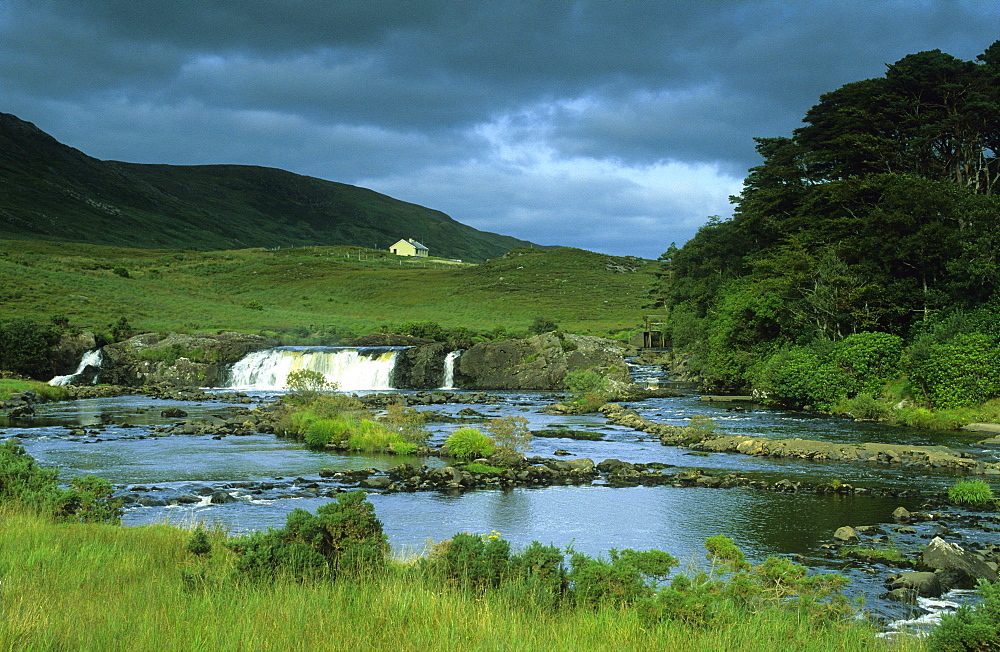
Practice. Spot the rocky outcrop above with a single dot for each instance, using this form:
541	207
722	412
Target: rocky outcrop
420	367
540	362
198	359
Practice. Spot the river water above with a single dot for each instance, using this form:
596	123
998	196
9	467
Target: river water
269	477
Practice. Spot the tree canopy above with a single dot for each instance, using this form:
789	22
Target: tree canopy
880	212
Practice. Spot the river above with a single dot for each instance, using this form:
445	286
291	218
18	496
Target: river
269	476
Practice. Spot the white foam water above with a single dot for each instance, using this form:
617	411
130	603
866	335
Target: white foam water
90	358
350	368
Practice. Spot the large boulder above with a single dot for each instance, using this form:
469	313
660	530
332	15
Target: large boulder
199	359
955	566
540	362
925	584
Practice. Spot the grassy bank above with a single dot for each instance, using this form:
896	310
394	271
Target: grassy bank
45	391
346	288
89	586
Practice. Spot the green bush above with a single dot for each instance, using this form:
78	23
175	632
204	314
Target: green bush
475	562
199	544
867	361
342	538
121	271
373	437
308	381
584	381
623	578
24	347
511	433
469	444
408	423
971	492
971	629
541	325
963	372
88	499
253	304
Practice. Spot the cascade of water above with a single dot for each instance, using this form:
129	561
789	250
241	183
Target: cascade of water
352	369
449	369
90	359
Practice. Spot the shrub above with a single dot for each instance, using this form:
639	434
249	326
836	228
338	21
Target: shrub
305	381
701	427
88	499
469	444
511	433
963	372
198	544
121	271
24	347
253	304
474	562
408	423
373	437
342	538
867	361
971	628
865	406
623	578
584	381
971	492
541	325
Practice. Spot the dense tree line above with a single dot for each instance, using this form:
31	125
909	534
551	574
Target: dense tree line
881	214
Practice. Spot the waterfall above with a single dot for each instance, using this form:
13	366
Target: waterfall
449	369
89	359
351	368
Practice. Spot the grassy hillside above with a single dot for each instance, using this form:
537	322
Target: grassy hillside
300	289
49	191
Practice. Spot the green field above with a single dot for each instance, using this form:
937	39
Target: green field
302	290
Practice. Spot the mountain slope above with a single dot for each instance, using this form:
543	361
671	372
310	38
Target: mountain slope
49	191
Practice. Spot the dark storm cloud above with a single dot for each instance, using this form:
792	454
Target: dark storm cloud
579	123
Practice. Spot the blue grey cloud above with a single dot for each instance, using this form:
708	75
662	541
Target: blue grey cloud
617	126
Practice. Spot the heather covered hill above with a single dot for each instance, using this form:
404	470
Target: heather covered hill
49	191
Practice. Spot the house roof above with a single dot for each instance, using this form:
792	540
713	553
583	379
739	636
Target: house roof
417	245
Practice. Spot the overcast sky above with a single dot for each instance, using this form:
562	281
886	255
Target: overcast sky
615	126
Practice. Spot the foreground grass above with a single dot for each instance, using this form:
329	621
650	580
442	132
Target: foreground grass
306	288
100	587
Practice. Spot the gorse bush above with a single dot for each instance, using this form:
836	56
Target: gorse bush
342	538
408	423
469	444
971	629
87	499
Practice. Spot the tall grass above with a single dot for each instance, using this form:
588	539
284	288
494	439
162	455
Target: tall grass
98	587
